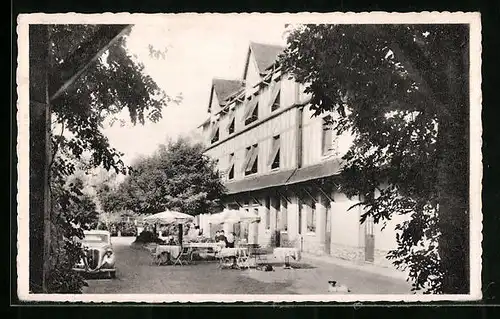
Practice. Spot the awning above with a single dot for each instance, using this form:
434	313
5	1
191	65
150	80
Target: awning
259	182
283	178
322	170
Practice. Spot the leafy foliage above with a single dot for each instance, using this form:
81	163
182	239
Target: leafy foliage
390	88
177	177
114	83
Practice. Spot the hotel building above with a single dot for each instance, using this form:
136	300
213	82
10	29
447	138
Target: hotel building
280	162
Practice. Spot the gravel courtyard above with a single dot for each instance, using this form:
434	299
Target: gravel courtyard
136	275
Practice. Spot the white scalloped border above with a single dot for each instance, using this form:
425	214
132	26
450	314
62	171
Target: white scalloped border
471	18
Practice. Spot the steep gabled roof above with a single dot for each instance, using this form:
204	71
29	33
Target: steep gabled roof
223	88
265	54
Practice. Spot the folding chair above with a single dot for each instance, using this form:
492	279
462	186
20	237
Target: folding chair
185	256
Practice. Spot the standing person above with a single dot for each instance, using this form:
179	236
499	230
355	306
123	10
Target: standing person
222	236
230	240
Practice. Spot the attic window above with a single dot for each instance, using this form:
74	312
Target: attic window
215	134
255	115
276	104
275	95
251	110
230	128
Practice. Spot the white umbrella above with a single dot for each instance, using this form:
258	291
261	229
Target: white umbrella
168	217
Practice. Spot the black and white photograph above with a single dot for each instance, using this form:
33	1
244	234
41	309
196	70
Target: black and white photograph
249	157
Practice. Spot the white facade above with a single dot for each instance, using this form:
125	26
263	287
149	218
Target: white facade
296	200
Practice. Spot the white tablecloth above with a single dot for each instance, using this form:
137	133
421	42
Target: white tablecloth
204	246
233	252
283	252
173	250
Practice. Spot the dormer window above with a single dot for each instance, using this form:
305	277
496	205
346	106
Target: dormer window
215	134
230	128
275	96
276	104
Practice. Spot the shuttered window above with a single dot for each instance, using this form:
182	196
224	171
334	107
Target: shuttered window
230	169
214	135
274	155
250	165
231	122
275	95
251	110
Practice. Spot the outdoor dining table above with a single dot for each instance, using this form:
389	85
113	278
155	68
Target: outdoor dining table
172	252
285	253
208	247
239	255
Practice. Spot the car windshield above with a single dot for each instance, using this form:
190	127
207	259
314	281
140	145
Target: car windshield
96	238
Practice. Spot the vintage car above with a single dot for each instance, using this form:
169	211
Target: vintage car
98	253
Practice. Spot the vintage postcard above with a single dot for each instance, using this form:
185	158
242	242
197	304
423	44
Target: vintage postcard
249	157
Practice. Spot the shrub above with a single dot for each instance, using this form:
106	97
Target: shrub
148	237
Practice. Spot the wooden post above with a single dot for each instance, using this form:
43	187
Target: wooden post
298	137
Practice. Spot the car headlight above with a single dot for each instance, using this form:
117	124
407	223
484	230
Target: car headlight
108	253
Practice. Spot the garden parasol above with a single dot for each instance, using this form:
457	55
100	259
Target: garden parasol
168	217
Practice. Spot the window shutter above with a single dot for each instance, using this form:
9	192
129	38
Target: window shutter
248	156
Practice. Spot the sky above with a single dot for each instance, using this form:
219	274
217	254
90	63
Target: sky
196	53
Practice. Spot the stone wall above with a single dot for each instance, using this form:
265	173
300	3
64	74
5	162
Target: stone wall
355	254
311	244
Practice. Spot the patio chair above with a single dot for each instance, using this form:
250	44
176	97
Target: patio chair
185	256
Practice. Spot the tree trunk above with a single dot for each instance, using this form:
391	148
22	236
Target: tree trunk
453	178
39	157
